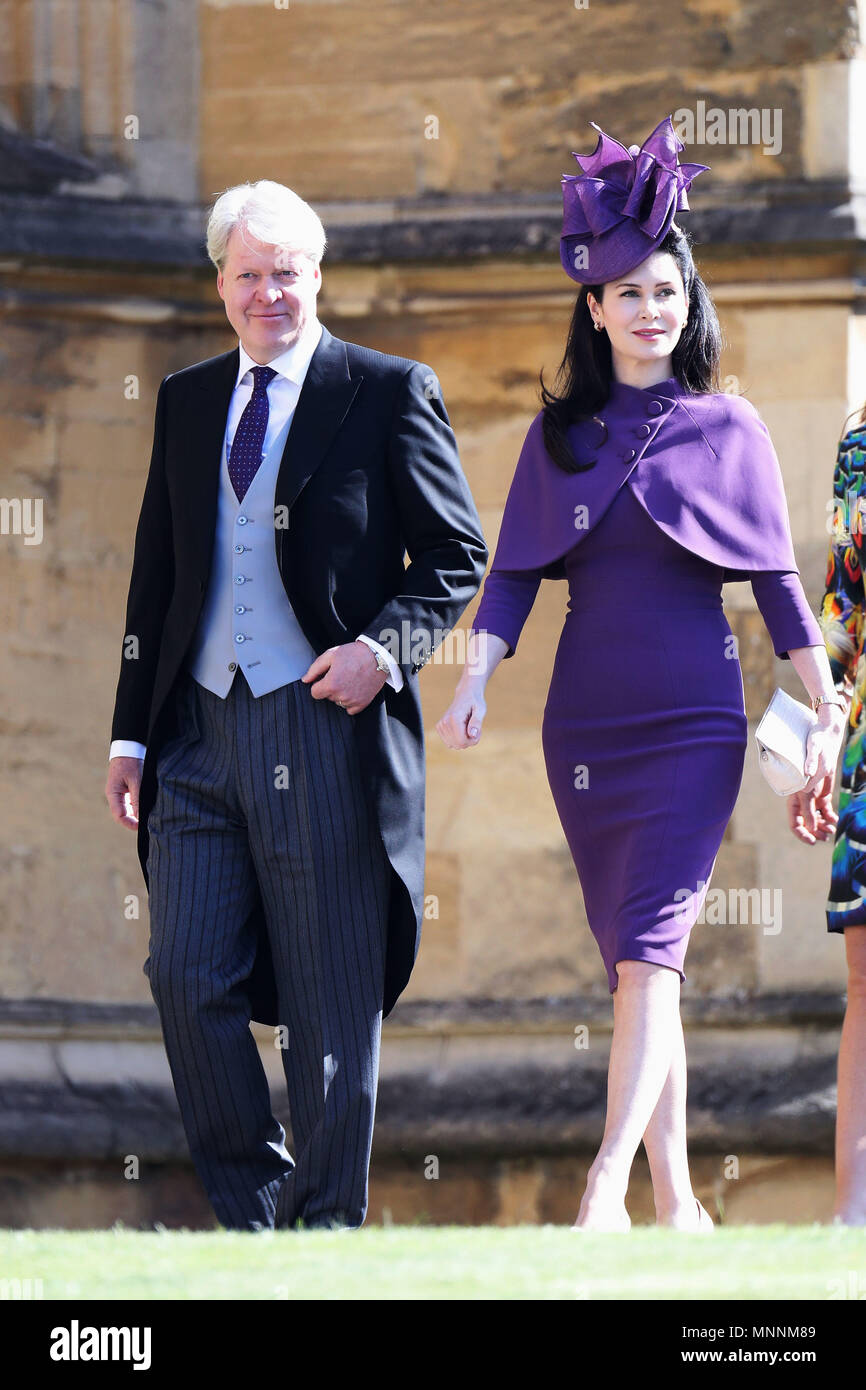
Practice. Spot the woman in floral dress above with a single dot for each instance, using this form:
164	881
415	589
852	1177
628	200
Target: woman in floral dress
813	818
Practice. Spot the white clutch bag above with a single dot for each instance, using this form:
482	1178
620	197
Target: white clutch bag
781	737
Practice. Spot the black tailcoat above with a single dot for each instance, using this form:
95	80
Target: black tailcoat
370	474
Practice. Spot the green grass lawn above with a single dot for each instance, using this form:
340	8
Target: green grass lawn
521	1262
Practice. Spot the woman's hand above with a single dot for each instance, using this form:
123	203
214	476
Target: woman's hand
822	747
460	725
810	814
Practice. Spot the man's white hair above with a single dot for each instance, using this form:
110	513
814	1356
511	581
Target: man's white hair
268	211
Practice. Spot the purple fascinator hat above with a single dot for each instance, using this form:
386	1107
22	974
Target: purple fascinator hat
621	207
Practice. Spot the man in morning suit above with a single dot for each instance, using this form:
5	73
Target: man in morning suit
267	739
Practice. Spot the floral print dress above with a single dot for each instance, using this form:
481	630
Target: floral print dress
842	624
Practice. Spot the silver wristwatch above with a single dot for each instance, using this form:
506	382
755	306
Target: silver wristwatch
381	663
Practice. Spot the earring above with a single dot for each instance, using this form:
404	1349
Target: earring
597	326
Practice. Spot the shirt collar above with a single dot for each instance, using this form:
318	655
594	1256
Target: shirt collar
292	363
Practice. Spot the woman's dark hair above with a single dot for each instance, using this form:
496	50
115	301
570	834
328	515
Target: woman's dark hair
585	374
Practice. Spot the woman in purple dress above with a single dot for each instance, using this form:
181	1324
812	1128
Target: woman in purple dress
646	488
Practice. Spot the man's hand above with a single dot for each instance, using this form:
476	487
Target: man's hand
348	675
122	788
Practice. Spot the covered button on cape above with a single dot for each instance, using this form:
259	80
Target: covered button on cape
702	466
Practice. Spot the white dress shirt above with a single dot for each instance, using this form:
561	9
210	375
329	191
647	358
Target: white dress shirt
283	392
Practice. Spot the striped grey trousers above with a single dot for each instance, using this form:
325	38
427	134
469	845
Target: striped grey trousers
264	797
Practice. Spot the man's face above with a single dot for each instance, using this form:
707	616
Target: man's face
269	293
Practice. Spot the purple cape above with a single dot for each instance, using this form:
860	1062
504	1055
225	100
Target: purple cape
702	466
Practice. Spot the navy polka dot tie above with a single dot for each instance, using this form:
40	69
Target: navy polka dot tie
248	443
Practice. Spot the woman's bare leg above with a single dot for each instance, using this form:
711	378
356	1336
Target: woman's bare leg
665	1144
646	1025
850	1206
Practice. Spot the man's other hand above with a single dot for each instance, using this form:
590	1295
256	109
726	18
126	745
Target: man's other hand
122	788
347	674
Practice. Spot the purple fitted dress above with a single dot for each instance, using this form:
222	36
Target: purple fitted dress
644	730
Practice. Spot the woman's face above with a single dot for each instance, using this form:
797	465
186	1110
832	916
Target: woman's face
643	314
